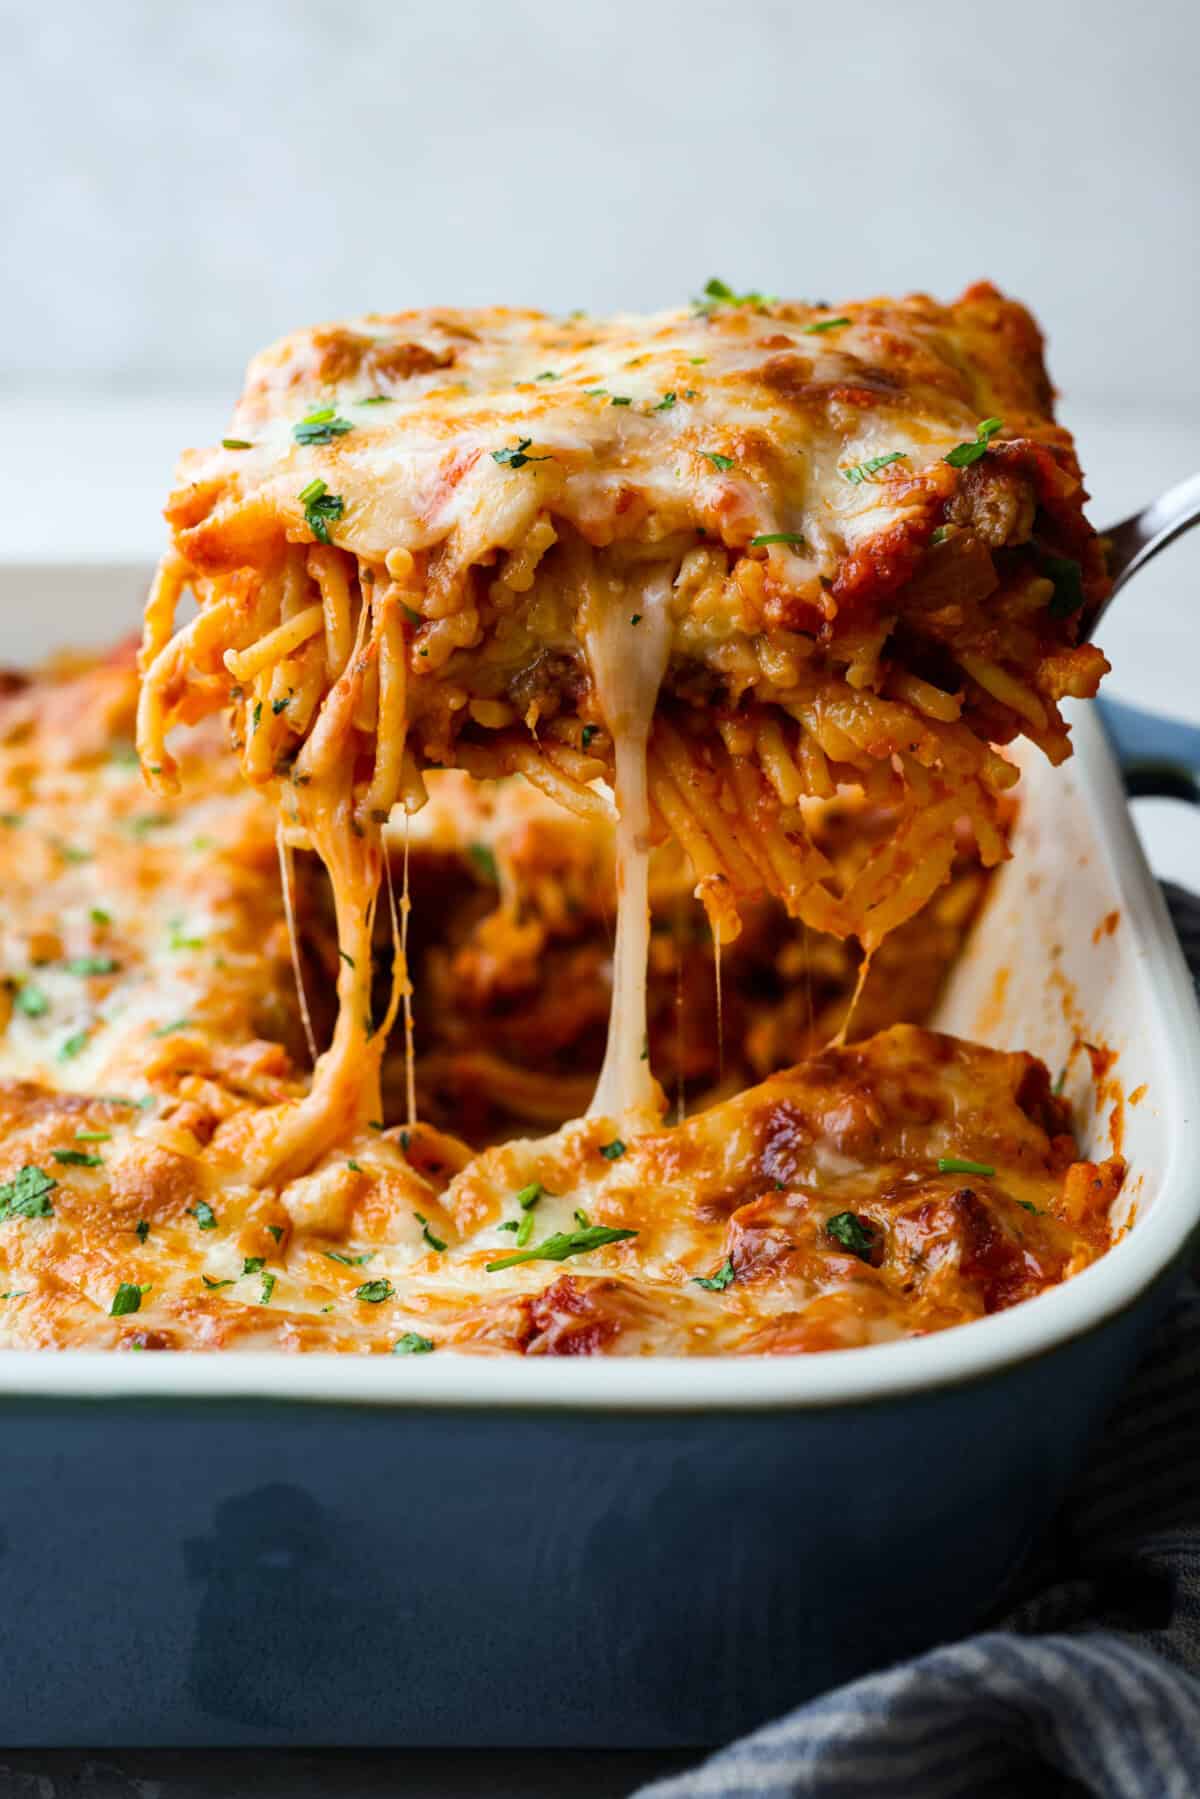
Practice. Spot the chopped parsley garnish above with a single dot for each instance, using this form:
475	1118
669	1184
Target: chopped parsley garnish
353	1166
563	1244
939	534
169	1030
525	1230
278	706
433	1242
963	455
27	1195
485	861
719	293
91	965
73	1046
321	508
99	916
276	1231
93	1136
321	427
253	1264
957	1165
589	731
413	1343
612	1151
77	1158
517	458
142	1229
766	537
268	1287
126	1299
374	1292
824	325
666	403
511	1224
236	443
717	1283
635	618
529	1196
146	822
177	937
214	1284
724	463
596	393
375	400
412	615
862	471
1027	1205
547	375
31	1000
1060	1081
1067	576
620	400
336	1255
69	853
204	1215
856	1234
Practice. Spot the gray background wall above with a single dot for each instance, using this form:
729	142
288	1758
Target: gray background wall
185	182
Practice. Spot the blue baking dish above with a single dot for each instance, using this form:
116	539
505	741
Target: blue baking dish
247	1549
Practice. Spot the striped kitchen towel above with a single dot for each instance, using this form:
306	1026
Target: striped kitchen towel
1090	1686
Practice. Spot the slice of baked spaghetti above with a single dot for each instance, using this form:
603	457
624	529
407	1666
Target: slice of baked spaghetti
731	559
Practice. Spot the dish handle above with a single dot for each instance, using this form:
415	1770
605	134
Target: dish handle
1160	763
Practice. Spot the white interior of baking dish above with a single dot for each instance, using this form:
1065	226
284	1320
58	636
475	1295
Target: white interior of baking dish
1075	944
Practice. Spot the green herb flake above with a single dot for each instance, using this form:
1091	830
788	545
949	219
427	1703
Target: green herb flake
213	1285
635	618
563	1244
862	471
433	1242
525	1230
724	463
856	1234
337	1255
100	917
278	706
236	443
77	1158
717	1283
27	1195
73	1046
620	400
589	731
70	853
529	1196
413	1343
321	509
518	457
93	1136
719	293
511	1224
1060	1081
90	965
824	325
146	822
276	1231
1067	576
142	1229
204	1215
373	1293
666	403
582	1219
31	1001
1027	1205
768	537
169	1030
354	1167
963	455
939	534
375	400
613	1151
253	1264
484	859
957	1165
547	375
268	1287
596	393
126	1299
321	427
